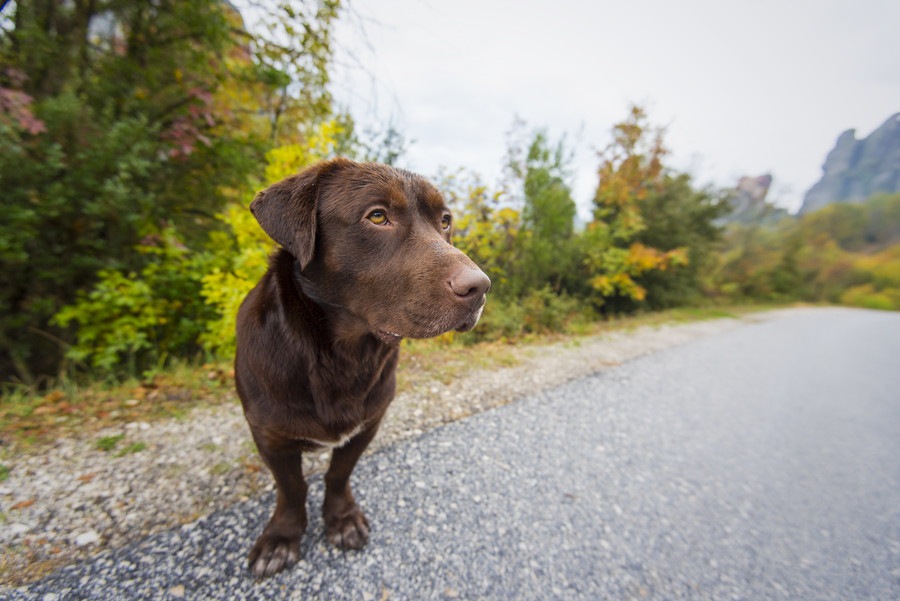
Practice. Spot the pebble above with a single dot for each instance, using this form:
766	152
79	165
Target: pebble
16	529
88	500
86	538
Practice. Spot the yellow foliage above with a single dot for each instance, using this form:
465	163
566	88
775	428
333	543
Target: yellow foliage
603	285
627	286
630	170
287	160
619	267
868	297
884	267
247	246
641	258
225	289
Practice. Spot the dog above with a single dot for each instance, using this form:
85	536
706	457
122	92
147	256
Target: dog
366	260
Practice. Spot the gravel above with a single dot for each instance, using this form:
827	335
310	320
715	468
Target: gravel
71	500
756	464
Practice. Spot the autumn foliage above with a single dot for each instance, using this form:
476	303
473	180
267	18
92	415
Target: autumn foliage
847	253
134	134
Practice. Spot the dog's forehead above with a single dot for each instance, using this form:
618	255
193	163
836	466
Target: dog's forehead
420	191
372	183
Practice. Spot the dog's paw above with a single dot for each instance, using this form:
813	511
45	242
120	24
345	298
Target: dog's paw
271	554
349	530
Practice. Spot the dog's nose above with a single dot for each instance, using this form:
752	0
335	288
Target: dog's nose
470	283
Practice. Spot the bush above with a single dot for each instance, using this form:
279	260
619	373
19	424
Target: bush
243	248
546	311
541	311
500	321
137	320
867	297
246	248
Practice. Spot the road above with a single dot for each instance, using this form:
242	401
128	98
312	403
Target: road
762	463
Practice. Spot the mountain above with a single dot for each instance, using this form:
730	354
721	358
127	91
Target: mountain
856	169
748	202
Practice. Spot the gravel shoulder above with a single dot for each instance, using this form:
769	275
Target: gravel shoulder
69	501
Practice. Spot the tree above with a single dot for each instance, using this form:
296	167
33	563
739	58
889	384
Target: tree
678	216
123	119
238	256
630	170
288	72
548	215
843	252
485	227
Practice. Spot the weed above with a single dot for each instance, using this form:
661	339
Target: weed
221	468
136	447
108	443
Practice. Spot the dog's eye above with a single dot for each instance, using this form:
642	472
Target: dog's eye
377	217
445	222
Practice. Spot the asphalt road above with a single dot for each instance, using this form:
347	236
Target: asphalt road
763	463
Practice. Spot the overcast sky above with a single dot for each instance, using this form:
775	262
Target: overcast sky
743	88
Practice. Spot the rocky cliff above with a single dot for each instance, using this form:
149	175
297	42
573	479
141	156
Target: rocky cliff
857	169
748	202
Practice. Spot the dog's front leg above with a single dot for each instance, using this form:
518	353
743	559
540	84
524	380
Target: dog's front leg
279	545
345	524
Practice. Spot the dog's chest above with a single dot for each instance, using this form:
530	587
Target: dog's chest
348	392
341	440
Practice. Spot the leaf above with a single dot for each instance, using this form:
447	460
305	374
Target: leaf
23	504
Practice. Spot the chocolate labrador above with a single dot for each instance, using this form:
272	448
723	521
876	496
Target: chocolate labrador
366	261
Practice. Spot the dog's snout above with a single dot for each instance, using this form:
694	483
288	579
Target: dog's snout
470	283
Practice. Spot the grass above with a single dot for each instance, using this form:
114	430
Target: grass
68	410
135	447
424	361
28	418
108	443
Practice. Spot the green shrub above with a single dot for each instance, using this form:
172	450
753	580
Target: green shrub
867	297
541	311
545	311
501	320
136	320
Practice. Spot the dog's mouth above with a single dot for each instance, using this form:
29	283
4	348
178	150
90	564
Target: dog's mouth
388	337
472	320
429	328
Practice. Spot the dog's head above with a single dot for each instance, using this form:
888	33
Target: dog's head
374	241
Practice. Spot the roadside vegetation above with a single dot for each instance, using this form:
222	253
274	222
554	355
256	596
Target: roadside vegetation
133	136
83	408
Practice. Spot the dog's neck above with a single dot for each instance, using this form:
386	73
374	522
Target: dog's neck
347	331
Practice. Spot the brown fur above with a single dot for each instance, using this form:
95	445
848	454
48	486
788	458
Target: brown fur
318	336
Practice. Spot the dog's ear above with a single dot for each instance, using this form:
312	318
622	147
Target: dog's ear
287	210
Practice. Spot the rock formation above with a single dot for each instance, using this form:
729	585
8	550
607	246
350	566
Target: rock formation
748	202
857	169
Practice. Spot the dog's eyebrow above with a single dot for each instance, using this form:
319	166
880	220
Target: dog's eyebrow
433	200
427	196
396	194
398	201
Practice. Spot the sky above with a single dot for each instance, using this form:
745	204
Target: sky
742	88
